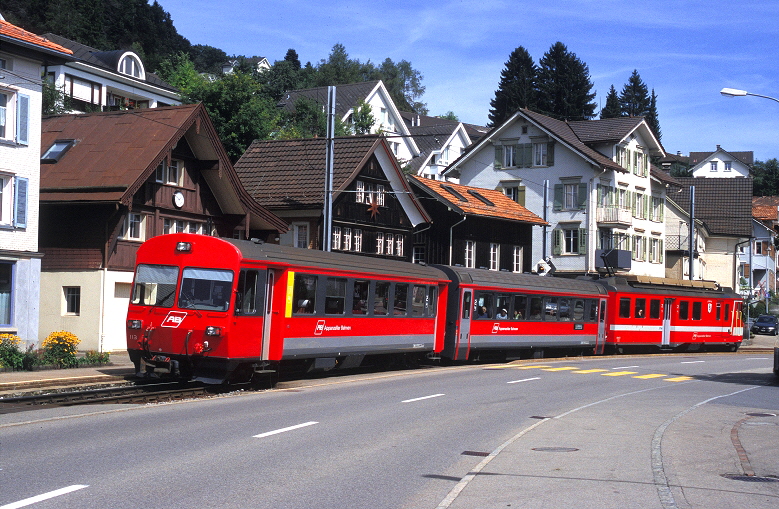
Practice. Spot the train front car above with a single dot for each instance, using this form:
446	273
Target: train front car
496	315
651	313
178	320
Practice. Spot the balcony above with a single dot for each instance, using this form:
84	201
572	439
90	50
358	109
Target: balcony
614	217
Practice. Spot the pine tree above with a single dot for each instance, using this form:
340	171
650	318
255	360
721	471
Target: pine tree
612	108
517	88
564	86
651	117
634	99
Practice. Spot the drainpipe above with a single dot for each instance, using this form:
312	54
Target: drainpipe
451	229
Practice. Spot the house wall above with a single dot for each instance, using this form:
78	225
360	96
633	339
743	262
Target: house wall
704	168
85	325
721	261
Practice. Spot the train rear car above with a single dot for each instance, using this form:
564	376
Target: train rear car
501	314
672	314
222	309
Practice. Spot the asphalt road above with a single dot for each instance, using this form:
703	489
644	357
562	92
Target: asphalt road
595	432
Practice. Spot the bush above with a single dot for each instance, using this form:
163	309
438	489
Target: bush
10	355
59	348
92	357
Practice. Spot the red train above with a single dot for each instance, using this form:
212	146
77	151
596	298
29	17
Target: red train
220	309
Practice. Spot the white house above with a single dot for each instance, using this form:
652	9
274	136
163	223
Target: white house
439	146
259	64
388	119
721	164
107	80
21	56
590	180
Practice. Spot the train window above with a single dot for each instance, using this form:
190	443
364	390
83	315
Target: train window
578	309
536	308
520	307
401	299
502	306
593	310
466	305
418	298
206	289
432	299
564	309
484	305
654	309
684	310
624	307
639	310
155	285
360	298
335	296
696	310
727	311
719	310
304	293
251	289
550	308
381	298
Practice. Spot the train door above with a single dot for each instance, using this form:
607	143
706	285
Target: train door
248	329
464	331
268	315
600	345
736	320
667	307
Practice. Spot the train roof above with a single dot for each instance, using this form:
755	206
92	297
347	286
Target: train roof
295	256
666	285
518	281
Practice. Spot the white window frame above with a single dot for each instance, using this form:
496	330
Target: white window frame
379	243
358	240
399	245
15	117
494	256
131	219
517	259
509	156
71	305
540	154
728	165
359	193
470	249
570	239
6	199
713	166
336	237
164	172
299	229
571	196
390	244
380	194
347	239
418	254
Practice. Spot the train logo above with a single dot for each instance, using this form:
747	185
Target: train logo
174	319
495	327
320	327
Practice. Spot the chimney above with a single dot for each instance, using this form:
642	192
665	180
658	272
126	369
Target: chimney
718	147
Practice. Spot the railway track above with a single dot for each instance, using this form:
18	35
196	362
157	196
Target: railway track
137	394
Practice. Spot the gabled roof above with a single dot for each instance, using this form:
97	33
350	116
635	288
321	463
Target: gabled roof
475	201
765	208
107	60
20	36
115	153
290	174
663	176
346	97
431	139
475	132
724	204
607	130
745	157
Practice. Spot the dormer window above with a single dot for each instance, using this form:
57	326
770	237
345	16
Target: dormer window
56	151
131	65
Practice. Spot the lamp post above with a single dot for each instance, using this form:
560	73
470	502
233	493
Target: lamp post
734	92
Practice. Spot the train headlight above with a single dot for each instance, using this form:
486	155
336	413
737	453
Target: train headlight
213	331
134	324
183	247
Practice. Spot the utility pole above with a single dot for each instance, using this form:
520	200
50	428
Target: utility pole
692	232
327	213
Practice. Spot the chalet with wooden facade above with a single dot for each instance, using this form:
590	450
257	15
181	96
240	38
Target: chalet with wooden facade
473	227
109	181
374	209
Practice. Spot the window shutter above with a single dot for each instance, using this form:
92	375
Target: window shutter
527	155
582	196
557	241
633	246
550	153
633	202
582	240
600	195
558	197
647	209
21	185
612	196
498	157
521	195
662	212
23	119
661	251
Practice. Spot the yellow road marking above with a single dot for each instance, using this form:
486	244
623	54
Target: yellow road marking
532	367
619	373
656	375
564	368
590	371
678	379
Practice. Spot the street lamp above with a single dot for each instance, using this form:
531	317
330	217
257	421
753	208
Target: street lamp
733	92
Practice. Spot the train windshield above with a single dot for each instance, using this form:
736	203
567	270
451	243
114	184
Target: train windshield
205	289
155	285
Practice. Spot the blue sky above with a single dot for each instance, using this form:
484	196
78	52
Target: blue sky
686	51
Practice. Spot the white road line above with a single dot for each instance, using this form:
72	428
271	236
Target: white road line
625	367
420	399
282	430
45	496
691	362
524	380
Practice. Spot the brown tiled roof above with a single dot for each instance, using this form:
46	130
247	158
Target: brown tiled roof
609	130
764	212
772	201
346	96
116	152
465	199
428	139
746	157
663	176
724	204
14	32
475	132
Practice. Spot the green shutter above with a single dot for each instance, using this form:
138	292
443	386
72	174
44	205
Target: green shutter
662	211
527	155
633	246
498	157
521	195
632	196
582	240
600	191
661	251
557	241
647	208
582	196
550	153
558	197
